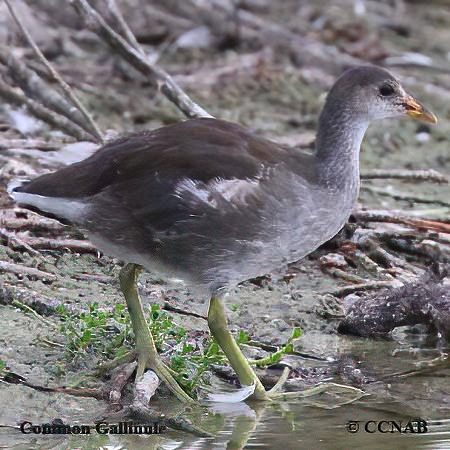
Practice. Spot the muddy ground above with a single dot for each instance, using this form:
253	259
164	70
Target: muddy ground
268	86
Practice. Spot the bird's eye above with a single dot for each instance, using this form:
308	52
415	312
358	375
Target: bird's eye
386	90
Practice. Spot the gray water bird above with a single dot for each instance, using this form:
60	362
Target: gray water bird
209	202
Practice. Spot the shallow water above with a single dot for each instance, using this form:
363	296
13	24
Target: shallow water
291	427
417	404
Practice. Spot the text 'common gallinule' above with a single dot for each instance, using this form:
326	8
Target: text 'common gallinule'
209	202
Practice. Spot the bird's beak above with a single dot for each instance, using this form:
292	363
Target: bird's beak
417	111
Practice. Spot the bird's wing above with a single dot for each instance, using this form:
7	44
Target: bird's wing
199	149
165	175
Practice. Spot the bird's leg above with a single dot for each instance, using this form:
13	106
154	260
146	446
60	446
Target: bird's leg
217	323
148	357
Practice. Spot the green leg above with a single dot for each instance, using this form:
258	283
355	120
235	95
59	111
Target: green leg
148	357
217	322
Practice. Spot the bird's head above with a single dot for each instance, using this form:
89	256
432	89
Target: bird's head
371	93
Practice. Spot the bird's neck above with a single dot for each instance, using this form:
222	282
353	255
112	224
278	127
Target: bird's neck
338	143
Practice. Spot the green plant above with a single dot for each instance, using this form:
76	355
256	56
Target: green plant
287	349
107	334
2	366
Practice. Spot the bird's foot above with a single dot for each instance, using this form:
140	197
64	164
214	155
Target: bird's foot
164	373
342	394
339	393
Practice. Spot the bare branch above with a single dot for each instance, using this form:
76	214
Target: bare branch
394	217
74	245
138	60
41	112
401	196
12	240
120	21
407	175
88	123
346	290
19	269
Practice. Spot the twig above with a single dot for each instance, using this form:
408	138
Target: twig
116	362
430	367
28	271
139	61
89	125
377	253
49	343
339	273
31	222
127	33
14	239
393	217
29	309
407	175
75	245
431	225
105	279
169	307
346	290
327	387
401	196
273	348
13	378
113	389
41	112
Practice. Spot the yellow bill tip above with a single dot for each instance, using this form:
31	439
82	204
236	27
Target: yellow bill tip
417	111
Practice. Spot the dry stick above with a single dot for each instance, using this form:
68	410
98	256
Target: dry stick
32	223
138	60
113	390
28	271
105	279
89	124
75	245
431	225
392	260
127	33
28	309
36	88
389	217
402	196
346	290
168	307
407	175
15	240
41	112
339	273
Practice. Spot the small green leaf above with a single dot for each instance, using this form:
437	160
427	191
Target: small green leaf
242	337
288	349
296	333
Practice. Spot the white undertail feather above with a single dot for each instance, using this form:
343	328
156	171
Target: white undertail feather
65	208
